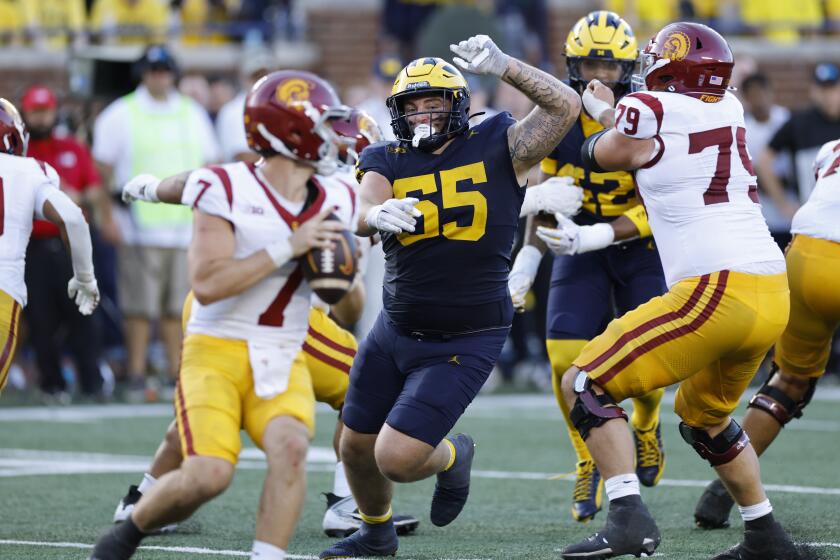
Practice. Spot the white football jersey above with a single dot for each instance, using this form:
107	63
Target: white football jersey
820	216
363	244
24	184
699	189
276	309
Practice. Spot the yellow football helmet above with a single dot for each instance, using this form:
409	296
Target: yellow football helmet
601	35
429	77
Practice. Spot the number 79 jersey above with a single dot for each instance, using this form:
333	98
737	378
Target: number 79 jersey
276	309
699	189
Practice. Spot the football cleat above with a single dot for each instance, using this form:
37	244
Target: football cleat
650	455
453	486
712	511
342	518
126	506
588	492
630	529
771	543
119	543
368	541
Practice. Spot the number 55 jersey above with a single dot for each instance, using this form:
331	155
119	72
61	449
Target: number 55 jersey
699	189
450	274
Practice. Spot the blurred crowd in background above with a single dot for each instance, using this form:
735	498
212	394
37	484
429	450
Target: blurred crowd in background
130	347
56	25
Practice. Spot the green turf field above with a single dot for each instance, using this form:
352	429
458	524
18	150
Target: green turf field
86	457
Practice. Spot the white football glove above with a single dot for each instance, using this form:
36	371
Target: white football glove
480	55
522	275
84	293
141	187
571	239
395	215
556	195
594	105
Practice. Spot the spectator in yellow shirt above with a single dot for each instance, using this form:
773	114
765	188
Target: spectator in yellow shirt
130	21
54	24
207	21
11	22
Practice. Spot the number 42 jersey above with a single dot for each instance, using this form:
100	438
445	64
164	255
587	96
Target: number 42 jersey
699	189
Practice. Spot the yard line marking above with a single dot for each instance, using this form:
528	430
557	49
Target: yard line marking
181	549
23	462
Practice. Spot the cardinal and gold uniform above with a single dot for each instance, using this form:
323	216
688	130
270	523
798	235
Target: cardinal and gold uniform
728	299
24	183
588	290
242	363
813	263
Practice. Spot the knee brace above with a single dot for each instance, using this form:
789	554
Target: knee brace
592	410
717	450
777	403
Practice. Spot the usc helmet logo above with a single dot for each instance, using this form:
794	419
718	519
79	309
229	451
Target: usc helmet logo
292	92
676	46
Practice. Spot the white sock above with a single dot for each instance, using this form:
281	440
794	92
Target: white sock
264	551
147	483
622	485
340	486
750	513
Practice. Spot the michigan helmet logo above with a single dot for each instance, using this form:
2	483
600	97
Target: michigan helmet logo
292	92
676	46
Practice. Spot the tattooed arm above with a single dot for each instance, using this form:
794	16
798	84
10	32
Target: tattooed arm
558	105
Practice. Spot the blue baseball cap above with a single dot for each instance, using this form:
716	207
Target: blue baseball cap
826	73
158	57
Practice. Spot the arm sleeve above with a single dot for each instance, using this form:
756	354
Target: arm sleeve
375	158
638	216
49	181
209	189
639	115
78	233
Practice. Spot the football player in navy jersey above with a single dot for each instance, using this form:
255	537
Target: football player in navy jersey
446	198
594	280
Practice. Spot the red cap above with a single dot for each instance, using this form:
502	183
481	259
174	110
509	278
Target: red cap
38	97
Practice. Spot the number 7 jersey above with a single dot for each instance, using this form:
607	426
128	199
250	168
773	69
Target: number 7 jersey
276	309
699	189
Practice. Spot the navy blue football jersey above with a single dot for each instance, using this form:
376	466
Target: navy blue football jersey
460	252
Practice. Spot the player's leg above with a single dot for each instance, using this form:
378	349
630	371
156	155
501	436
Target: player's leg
444	377
801	354
329	351
640	279
579	306
215	375
167	458
375	385
9	323
757	312
281	426
655	345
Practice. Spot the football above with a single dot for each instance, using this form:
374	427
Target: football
330	271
